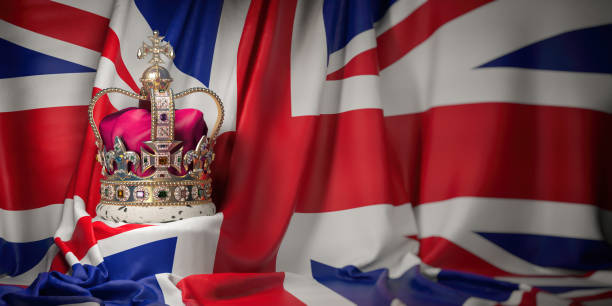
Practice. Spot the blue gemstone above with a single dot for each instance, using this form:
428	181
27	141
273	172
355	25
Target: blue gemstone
163	117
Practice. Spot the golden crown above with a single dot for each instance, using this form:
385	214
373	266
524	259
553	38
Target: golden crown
163	160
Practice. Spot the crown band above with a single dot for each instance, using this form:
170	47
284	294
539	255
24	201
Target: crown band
155	193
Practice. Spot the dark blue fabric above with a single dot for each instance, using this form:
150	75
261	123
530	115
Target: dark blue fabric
191	28
556	290
19	257
344	19
413	288
585	50
376	288
359	287
139	262
125	278
558	252
477	285
19	61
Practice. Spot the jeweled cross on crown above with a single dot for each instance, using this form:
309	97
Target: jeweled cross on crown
157	46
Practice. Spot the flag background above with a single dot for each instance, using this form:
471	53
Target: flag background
373	152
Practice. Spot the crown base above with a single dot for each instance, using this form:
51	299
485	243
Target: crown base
148	214
155	192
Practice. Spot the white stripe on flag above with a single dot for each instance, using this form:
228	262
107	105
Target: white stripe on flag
223	73
196	244
450	218
130	26
368	237
459	220
547	299
48	90
366	40
308	58
48	45
74	209
311	292
443	70
555	281
107	77
584	292
361	42
397	12
30	225
172	295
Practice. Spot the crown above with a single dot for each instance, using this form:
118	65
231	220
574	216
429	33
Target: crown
159	182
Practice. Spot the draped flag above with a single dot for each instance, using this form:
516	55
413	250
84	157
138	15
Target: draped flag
374	152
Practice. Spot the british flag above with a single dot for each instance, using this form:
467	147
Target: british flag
374	152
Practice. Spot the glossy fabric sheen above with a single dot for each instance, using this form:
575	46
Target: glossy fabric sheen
133	125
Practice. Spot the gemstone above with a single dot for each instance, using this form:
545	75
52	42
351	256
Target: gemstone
120	193
106	193
140	194
163	117
162	194
163	131
200	192
162	160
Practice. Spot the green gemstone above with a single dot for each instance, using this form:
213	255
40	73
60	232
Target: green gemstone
200	192
162	194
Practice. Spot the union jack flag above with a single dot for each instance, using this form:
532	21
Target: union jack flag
374	152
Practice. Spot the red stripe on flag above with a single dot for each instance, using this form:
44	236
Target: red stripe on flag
351	162
57	20
507	150
88	173
365	63
103	231
420	25
600	296
530	298
86	234
261	184
83	238
396	42
484	150
39	149
59	263
442	253
236	289
279	164
112	51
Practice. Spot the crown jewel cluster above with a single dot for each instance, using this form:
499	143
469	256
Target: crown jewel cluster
160	174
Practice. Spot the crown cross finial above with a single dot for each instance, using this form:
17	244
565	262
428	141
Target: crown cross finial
157	47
